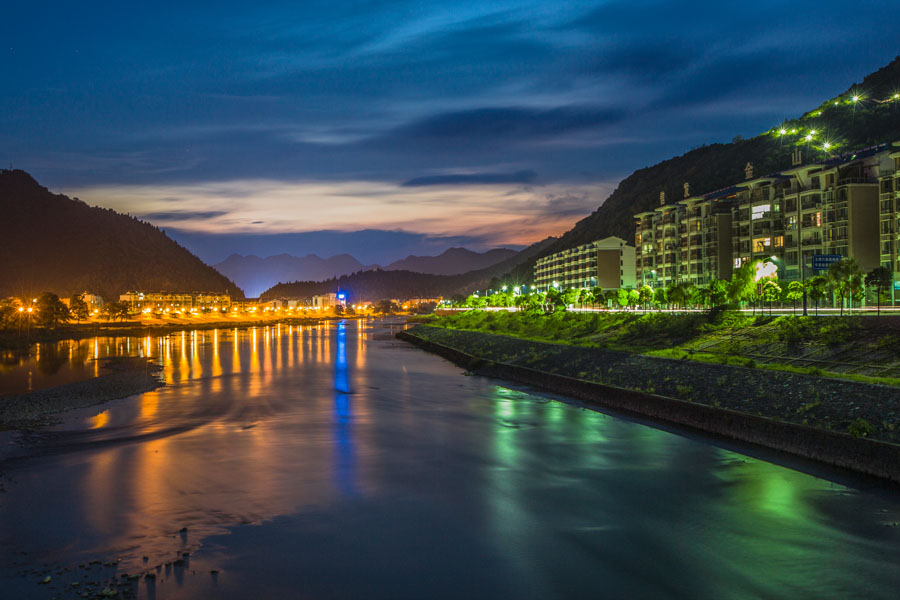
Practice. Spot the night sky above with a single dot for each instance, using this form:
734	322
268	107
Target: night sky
426	124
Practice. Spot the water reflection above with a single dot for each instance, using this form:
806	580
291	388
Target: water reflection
345	448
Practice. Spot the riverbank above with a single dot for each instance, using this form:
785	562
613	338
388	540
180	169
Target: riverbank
844	423
860	348
16	340
119	377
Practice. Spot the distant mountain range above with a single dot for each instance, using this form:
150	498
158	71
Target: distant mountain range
850	125
255	274
452	261
49	242
377	284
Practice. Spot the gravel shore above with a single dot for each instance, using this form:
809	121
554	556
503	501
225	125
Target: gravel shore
119	378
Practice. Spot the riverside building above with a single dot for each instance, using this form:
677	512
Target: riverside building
608	263
848	205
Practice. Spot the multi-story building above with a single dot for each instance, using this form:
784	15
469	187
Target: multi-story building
847	205
608	263
686	241
178	301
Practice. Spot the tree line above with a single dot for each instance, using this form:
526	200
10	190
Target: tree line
841	285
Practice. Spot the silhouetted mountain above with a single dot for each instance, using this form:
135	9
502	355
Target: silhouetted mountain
378	283
453	261
53	243
849	125
255	274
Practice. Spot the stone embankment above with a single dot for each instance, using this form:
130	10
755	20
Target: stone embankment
801	414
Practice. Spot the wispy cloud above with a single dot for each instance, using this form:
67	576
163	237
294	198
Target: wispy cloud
503	213
526	176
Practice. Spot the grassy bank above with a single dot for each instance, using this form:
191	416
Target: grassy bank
860	348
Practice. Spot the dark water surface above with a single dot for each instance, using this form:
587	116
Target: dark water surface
336	462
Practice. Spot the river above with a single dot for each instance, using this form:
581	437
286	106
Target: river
334	461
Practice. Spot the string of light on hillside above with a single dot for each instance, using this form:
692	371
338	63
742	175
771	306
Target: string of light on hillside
809	135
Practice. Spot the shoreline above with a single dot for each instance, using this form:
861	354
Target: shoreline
514	359
121	377
138	329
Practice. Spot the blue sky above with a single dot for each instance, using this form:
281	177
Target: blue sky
475	123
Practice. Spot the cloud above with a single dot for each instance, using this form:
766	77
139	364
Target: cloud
526	176
502	214
183	215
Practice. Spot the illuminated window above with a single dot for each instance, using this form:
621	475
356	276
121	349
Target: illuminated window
760	211
779	241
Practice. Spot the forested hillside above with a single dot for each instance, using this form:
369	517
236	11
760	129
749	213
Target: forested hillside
53	243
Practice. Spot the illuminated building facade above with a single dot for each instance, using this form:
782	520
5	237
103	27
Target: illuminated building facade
607	263
176	300
847	205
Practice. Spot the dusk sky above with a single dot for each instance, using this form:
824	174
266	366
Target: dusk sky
447	123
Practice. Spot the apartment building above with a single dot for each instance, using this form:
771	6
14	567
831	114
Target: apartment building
608	263
686	241
847	205
176	300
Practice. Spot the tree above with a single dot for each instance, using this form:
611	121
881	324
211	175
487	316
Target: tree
816	288
78	308
622	297
597	296
585	297
645	295
387	307
771	291
718	292
634	297
846	280
742	287
50	310
675	294
660	298
793	293
554	300
8	312
880	278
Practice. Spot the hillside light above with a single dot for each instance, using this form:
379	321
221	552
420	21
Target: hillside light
793	131
835	102
896	96
782	131
808	137
21	309
826	146
812	132
503	288
855	98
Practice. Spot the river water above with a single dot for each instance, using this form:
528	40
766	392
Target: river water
334	461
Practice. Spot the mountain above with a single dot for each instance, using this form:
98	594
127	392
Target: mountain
452	262
56	244
255	274
873	117
376	284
